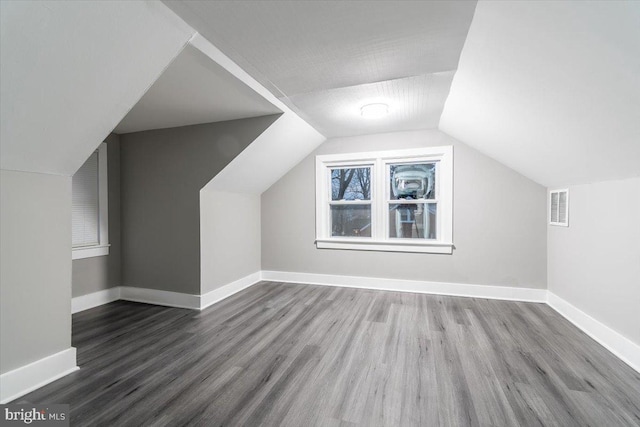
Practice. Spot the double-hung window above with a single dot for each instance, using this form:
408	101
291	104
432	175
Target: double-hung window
398	200
89	210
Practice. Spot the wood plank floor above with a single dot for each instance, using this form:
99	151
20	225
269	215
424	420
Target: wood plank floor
297	355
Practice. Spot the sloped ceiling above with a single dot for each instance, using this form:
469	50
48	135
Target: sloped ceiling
72	70
193	90
290	139
280	147
551	89
321	57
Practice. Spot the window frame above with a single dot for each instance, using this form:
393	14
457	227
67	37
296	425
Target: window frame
354	164
102	248
380	200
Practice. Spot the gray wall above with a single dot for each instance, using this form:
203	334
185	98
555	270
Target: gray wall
162	172
499	222
103	272
230	237
35	267
594	264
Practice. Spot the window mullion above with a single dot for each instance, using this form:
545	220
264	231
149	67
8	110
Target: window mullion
327	198
349	202
380	197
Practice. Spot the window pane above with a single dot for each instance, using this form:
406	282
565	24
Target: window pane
413	221
410	181
351	184
351	221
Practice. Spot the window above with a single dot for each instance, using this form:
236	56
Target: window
89	210
397	200
559	207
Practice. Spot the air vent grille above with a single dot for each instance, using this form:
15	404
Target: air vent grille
559	207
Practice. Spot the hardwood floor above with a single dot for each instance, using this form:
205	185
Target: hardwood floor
296	355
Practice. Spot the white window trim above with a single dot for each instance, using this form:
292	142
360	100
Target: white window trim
89	251
558	223
102	248
379	203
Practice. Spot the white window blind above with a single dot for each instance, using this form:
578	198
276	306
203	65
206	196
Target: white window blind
85	209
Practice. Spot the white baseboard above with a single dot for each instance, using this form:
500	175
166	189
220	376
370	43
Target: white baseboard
17	383
416	286
226	291
625	349
94	299
157	297
166	298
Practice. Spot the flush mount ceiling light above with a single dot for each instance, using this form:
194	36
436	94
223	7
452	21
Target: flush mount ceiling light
374	111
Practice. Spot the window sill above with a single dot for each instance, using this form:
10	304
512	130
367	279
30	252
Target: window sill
386	246
89	251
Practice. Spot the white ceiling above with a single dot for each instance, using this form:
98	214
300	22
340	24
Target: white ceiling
414	103
321	56
71	71
289	139
551	89
193	90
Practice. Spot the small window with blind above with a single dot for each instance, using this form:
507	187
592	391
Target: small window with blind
559	207
89	210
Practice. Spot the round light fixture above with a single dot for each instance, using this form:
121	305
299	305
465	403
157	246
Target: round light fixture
374	111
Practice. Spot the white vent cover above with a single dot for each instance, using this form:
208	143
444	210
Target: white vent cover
559	207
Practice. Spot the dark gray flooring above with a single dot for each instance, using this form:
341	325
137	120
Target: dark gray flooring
298	355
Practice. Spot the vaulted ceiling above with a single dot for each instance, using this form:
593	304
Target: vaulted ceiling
70	71
194	89
551	89
325	59
79	68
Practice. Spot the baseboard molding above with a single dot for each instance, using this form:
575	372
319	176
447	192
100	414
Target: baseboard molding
415	286
226	291
94	299
157	297
620	346
166	298
625	349
15	384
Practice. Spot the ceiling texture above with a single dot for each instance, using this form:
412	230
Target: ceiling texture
194	89
325	60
